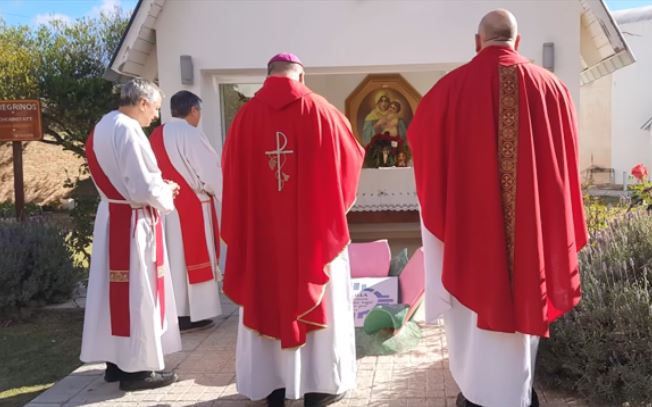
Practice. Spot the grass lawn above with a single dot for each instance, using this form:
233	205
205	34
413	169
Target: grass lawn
35	354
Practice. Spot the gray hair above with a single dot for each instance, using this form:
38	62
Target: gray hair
283	67
137	89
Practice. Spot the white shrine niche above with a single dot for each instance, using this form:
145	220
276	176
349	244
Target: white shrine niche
380	109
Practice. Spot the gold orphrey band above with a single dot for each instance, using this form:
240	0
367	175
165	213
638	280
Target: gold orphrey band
119	276
507	153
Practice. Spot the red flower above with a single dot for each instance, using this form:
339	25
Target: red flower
639	172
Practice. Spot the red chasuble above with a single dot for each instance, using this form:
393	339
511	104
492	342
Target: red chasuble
120	217
291	167
191	216
494	146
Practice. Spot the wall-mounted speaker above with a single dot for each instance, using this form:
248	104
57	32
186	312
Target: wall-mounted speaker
187	73
548	60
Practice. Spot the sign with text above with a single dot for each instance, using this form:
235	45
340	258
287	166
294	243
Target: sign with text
20	120
369	292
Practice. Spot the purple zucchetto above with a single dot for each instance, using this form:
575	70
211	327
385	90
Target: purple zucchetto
285	57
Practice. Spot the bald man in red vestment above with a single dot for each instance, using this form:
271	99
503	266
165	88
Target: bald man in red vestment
291	167
494	146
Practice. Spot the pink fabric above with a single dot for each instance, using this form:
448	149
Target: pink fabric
369	259
411	282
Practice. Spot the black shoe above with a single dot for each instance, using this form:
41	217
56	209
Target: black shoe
463	402
534	402
185	325
321	399
147	380
276	398
113	373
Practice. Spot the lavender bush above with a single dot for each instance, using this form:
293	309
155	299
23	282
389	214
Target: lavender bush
602	350
36	265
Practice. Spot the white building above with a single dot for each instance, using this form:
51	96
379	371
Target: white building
219	49
341	41
631	107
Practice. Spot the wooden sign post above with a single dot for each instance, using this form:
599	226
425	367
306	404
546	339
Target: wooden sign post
20	120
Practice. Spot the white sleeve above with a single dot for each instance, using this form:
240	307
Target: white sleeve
204	161
140	171
437	298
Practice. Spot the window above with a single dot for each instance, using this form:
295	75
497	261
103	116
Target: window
232	97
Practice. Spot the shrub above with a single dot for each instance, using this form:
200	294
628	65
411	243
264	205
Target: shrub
600	210
82	219
602	350
36	264
641	194
8	209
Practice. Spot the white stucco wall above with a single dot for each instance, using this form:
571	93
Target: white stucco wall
351	37
595	124
632	102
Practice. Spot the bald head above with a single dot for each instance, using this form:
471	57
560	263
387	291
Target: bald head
497	27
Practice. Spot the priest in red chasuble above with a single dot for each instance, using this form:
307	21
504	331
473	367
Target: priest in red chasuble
185	156
494	146
130	321
291	166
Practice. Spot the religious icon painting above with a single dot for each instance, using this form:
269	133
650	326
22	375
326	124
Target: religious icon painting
380	110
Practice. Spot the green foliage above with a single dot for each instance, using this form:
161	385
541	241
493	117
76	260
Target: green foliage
641	195
36	264
598	213
602	349
18	67
63	64
83	219
73	58
8	209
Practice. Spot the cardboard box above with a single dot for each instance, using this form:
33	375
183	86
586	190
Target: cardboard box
369	292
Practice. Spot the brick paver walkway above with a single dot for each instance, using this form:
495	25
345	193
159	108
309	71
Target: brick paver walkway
206	368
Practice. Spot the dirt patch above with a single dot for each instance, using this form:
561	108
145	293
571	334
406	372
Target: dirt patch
45	170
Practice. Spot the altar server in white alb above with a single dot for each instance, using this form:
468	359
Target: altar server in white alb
186	157
130	320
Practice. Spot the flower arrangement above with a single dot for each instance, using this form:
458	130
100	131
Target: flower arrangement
385	150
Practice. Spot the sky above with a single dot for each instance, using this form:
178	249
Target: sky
623	4
35	12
